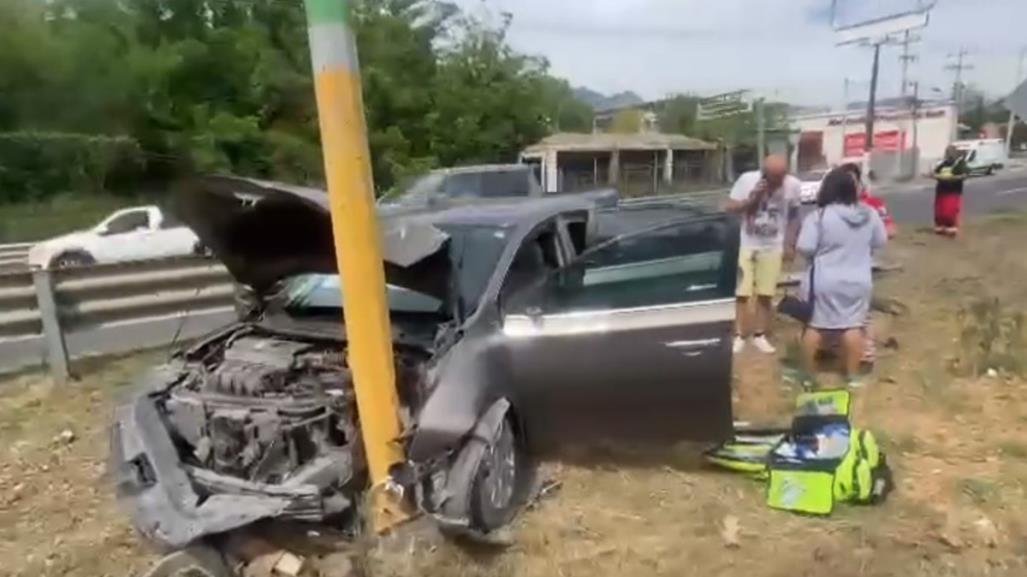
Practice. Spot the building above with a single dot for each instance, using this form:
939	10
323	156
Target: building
636	164
903	144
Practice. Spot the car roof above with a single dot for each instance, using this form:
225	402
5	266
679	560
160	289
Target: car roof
627	219
507	214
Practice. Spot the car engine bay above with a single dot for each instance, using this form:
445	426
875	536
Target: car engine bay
260	413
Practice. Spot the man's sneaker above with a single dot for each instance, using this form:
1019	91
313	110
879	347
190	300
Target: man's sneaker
763	345
739	345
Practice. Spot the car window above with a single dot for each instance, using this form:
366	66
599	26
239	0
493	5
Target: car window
128	222
488	184
675	263
169	221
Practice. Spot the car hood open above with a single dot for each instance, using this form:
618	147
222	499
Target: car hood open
265	232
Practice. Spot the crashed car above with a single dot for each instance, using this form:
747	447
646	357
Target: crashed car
518	330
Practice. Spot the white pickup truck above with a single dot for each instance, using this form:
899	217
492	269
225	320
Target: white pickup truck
137	233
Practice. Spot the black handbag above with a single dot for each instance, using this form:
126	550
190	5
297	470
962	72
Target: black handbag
795	307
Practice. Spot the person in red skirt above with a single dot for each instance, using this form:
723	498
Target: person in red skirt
948	192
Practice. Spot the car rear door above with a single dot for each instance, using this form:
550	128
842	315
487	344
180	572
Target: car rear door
632	341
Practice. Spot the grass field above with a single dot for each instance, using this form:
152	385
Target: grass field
957	441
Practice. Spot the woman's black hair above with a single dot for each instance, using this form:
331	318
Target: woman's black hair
838	188
852	168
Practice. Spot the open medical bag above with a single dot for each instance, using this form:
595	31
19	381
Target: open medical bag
822	459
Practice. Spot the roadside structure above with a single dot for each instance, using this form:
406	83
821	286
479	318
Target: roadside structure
905	137
637	164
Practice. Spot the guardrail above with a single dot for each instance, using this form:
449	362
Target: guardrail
51	317
14	256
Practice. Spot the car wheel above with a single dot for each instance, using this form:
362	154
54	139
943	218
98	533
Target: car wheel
501	482
72	260
990	171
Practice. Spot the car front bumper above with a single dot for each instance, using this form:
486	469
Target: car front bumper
174	505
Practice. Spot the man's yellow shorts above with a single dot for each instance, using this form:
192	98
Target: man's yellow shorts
758	272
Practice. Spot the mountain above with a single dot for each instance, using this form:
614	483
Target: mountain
600	102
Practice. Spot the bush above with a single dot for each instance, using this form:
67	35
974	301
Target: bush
39	165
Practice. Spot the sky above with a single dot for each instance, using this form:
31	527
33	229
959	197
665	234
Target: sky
784	49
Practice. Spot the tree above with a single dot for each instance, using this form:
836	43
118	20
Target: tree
226	85
678	115
628	121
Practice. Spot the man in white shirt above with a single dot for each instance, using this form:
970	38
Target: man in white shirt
768	203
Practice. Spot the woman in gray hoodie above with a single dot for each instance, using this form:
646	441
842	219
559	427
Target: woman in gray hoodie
838	241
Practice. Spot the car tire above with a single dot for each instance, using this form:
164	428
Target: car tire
72	260
990	171
502	482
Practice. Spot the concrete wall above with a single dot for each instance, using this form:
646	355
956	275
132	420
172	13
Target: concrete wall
936	128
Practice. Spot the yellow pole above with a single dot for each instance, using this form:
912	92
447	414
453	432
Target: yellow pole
357	247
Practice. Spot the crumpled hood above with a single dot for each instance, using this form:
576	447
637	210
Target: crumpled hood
855	216
265	232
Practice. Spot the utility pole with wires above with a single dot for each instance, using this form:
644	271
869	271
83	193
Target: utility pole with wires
906	58
1012	115
958	88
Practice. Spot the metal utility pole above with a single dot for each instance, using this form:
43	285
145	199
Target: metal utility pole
868	146
916	128
357	248
1012	115
957	87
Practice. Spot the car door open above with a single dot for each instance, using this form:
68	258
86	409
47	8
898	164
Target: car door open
632	341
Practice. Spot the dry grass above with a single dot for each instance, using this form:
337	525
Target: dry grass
958	445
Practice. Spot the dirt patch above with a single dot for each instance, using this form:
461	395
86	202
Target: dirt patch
958	442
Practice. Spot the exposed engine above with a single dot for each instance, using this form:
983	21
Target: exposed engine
270	411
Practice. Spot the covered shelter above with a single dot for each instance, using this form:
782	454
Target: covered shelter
637	164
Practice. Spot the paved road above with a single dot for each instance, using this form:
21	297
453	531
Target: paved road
914	204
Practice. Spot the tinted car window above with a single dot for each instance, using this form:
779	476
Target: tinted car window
129	222
677	263
488	184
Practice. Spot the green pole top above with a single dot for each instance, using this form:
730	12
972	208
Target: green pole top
327	12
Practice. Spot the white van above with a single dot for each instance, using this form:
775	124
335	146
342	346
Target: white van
983	156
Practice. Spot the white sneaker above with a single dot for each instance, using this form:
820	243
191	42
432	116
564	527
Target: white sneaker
739	345
763	345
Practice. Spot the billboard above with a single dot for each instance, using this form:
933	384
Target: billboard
853	13
723	105
874	20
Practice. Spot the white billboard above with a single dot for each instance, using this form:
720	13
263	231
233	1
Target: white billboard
855	13
876	20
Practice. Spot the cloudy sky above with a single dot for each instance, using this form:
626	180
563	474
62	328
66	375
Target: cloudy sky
781	48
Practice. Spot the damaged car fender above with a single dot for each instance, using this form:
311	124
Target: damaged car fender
469	380
490	478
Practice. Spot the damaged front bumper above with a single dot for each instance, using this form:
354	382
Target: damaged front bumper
173	504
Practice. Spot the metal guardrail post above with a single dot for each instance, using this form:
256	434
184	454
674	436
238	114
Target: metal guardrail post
56	349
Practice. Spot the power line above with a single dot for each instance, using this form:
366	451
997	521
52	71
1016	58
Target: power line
907	57
958	88
958	67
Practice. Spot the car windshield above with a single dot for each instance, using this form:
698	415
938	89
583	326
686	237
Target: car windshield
485	183
473	254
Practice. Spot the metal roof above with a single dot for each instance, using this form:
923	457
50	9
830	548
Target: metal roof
569	141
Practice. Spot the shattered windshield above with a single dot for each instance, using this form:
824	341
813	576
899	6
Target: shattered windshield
473	253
